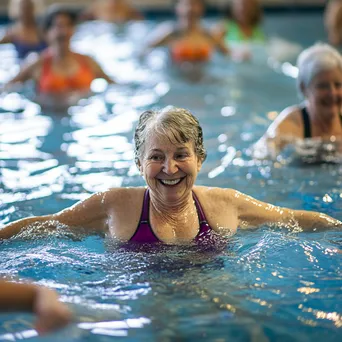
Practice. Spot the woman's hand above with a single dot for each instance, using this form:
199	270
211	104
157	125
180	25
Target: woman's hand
51	313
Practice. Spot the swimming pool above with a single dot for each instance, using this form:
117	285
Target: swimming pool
266	285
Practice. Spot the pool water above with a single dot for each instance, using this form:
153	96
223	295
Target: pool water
269	284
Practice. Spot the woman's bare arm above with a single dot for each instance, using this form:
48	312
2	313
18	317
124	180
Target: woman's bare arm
29	71
99	72
254	213
284	130
7	38
89	214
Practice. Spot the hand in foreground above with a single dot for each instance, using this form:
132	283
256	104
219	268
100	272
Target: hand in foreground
51	313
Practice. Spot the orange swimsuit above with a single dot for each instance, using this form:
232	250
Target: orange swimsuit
181	51
54	83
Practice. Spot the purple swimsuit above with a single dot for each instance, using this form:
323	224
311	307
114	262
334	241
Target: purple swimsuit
145	234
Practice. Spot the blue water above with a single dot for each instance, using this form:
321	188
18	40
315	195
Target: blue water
269	284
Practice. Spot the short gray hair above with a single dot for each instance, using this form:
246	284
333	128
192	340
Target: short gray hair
313	60
178	124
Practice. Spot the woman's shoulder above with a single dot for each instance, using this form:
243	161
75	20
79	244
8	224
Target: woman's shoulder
123	196
214	194
289	116
218	205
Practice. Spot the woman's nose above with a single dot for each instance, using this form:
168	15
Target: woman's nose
170	166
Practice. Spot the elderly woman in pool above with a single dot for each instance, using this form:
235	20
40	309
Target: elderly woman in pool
169	154
319	116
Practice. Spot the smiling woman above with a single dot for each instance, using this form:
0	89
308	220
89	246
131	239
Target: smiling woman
169	153
320	83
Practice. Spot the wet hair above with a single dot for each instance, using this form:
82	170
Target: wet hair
177	124
315	59
56	10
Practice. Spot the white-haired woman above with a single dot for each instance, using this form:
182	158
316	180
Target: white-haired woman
319	116
171	209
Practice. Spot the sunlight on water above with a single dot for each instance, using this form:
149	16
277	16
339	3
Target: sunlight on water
258	285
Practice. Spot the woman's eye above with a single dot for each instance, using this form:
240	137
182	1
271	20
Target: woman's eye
156	158
322	86
181	156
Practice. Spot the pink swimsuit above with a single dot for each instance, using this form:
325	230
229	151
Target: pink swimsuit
145	234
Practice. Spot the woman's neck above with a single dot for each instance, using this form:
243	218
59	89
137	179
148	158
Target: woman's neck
60	53
186	24
175	213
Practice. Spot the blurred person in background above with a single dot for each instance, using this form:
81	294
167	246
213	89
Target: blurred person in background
61	75
112	11
187	39
242	23
333	21
24	34
318	117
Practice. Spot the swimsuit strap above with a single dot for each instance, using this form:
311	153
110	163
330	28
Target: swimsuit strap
307	124
144	218
201	216
144	232
204	228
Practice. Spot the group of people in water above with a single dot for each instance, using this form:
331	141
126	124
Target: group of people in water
169	147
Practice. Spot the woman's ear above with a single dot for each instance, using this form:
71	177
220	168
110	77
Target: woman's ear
302	88
199	164
140	167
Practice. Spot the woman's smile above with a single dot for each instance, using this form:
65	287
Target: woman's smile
171	182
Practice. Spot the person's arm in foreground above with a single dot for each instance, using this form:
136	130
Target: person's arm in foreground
51	313
89	214
254	213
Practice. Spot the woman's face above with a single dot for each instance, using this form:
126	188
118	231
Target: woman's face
189	8
170	170
243	10
324	92
61	30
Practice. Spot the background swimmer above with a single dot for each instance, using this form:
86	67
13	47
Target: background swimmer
59	72
243	23
187	39
51	313
333	21
113	11
169	153
24	34
319	116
